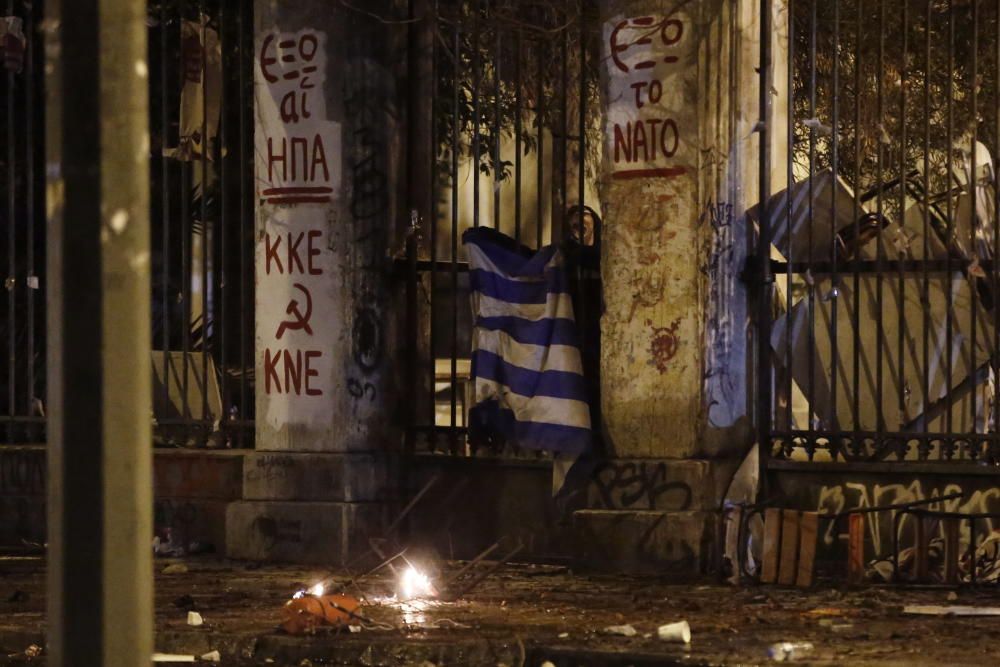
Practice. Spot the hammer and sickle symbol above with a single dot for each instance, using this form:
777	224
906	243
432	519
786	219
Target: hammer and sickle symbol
300	320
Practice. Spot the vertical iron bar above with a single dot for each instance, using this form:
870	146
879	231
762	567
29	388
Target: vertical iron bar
185	169
949	334
835	280
995	351
789	232
582	128
205	226
243	223
456	69
540	154
222	326
763	252
856	267
29	195
564	120
972	185
925	206
475	113
880	244
165	207
433	222
811	285
11	282
518	82
901	302
497	169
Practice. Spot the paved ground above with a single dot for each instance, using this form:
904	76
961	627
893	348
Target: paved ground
526	615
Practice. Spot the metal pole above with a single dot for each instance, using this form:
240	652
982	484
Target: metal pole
763	251
100	581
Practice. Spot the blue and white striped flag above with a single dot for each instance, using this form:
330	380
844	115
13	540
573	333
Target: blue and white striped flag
529	385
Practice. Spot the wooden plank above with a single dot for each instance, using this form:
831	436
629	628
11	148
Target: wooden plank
808	530
788	563
951	548
921	563
855	548
772	539
733	550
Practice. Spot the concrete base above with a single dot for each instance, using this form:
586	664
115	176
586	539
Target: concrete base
358	477
477	502
644	541
191	487
186	473
659	484
328	533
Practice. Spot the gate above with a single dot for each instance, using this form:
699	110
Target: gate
514	143
877	312
201	163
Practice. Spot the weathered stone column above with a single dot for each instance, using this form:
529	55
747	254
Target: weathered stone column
327	138
680	91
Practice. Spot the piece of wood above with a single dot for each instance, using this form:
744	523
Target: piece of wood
808	530
855	548
920	549
732	549
772	542
951	548
788	563
950	610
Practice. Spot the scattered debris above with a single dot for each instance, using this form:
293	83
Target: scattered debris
621	630
211	656
789	650
675	632
824	612
194	618
165	547
306	613
949	610
952	596
563	635
175	568
172	657
33	651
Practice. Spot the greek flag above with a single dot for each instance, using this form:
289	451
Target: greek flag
529	385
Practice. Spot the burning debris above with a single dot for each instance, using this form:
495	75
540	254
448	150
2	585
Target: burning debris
303	614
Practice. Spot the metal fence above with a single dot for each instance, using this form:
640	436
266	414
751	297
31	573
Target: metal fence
878	308
201	162
514	144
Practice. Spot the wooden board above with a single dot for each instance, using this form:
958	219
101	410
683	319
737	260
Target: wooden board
788	564
855	548
772	541
808	530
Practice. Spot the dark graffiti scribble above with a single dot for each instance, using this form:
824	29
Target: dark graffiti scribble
623	484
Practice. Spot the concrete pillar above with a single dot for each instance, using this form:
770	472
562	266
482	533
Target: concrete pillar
680	88
328	150
100	499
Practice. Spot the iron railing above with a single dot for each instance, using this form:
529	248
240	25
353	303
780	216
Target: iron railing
201	163
878	304
514	144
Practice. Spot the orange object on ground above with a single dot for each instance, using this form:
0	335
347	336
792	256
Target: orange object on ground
305	614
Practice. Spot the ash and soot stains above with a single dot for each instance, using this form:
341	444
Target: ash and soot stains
367	339
663	345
